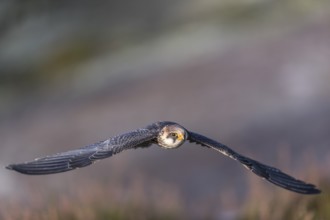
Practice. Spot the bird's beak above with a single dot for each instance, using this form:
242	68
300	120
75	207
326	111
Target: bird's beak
180	137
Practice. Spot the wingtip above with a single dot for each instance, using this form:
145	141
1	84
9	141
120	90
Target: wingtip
312	191
316	191
10	167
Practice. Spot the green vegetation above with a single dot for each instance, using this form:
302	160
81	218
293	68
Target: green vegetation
101	203
291	206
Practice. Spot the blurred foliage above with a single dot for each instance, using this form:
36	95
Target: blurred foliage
92	200
99	202
108	26
93	212
284	206
103	24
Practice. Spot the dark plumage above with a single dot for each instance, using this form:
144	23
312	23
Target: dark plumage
165	134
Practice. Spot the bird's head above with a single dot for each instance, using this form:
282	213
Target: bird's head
172	136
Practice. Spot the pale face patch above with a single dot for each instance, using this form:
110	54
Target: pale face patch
172	136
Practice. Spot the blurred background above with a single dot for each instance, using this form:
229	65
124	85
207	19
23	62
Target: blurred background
253	74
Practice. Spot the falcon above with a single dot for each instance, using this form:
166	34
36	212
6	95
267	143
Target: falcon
168	135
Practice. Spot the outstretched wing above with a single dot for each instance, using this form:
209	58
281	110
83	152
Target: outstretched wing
70	160
269	173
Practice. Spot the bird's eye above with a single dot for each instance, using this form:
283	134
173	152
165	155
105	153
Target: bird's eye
175	135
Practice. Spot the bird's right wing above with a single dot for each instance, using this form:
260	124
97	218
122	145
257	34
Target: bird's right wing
66	161
268	173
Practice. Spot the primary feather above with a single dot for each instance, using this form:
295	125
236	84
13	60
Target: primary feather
85	156
158	133
269	173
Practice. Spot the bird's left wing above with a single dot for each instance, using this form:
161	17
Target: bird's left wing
66	161
269	173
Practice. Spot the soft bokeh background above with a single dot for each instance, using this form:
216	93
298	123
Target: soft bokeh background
253	74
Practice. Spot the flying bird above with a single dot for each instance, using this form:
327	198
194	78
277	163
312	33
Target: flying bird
168	135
